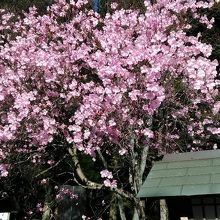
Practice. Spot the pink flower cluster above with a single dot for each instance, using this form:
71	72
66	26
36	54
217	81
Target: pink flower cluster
65	192
4	170
109	181
95	80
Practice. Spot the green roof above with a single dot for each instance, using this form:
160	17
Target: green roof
184	174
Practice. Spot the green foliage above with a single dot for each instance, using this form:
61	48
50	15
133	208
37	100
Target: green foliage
125	4
20	5
89	167
212	36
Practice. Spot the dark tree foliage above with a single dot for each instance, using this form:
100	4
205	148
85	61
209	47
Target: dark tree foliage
20	5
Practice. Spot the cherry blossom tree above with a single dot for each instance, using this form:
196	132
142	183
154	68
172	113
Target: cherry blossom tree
114	88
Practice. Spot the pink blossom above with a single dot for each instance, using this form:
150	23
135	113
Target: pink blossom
106	174
43	181
122	151
66	192
148	133
3	170
109	183
216	107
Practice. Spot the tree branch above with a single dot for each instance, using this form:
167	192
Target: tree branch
102	158
121	209
143	163
50	168
83	178
93	185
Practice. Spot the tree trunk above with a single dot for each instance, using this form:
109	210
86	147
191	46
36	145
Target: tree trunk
47	208
121	209
139	211
135	215
139	158
46	212
113	211
135	179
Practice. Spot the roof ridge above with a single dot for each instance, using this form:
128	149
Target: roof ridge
197	155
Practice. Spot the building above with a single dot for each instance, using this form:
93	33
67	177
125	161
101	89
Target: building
190	183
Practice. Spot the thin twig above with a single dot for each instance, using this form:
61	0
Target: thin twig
50	168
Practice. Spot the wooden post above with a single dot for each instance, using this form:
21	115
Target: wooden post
163	210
